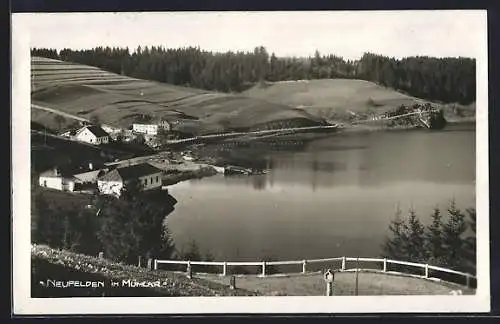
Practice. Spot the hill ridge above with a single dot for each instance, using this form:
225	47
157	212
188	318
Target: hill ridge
117	99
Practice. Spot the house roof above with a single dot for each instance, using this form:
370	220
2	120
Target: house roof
96	130
130	172
68	171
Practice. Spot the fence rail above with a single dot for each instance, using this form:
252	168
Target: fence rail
384	263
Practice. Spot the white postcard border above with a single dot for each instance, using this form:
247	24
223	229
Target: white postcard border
23	304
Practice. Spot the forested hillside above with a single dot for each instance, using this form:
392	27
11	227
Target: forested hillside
448	80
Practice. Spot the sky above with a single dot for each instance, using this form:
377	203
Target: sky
343	33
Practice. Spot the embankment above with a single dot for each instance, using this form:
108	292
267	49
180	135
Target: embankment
52	264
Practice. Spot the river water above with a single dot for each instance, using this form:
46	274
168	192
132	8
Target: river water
333	198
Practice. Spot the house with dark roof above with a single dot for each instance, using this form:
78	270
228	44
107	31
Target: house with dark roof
92	134
148	176
70	178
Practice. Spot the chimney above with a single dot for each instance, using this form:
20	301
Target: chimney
91	167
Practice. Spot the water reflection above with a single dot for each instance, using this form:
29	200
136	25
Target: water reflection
320	201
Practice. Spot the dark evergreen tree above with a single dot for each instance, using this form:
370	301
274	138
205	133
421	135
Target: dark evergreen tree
414	234
453	240
395	245
470	241
434	240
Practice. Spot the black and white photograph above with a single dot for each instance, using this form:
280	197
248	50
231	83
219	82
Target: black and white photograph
272	162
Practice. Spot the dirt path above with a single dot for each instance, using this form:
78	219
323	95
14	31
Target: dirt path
344	285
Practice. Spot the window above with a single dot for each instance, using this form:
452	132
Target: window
45	183
156	178
151	181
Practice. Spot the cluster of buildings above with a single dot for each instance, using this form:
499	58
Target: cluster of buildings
98	135
105	180
152	128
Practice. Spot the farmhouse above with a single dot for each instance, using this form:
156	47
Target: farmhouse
55	179
148	176
92	134
70	178
149	129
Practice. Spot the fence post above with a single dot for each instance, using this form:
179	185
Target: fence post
150	263
232	282
427	271
385	264
263	268
224	269
188	270
304	263
155	264
343	263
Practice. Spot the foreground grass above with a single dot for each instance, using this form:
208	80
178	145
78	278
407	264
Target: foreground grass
369	284
48	263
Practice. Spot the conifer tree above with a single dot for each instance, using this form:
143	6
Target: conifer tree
470	241
434	239
453	241
395	244
414	234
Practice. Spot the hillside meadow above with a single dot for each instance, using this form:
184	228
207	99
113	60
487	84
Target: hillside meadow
86	91
333	98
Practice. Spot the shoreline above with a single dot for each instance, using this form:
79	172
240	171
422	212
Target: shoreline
178	170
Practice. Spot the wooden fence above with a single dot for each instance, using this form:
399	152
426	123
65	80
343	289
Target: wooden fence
419	270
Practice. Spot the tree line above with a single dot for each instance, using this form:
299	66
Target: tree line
448	80
450	244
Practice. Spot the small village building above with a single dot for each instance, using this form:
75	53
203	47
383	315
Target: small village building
113	182
149	129
165	125
71	178
92	134
54	179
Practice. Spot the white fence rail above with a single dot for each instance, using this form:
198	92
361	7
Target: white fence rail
383	263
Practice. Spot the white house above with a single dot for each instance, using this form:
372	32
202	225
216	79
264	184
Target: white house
65	178
149	129
54	179
92	134
148	176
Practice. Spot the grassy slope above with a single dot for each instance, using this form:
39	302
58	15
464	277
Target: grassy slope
63	265
84	91
331	98
369	283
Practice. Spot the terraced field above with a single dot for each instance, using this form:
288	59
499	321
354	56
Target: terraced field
118	100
